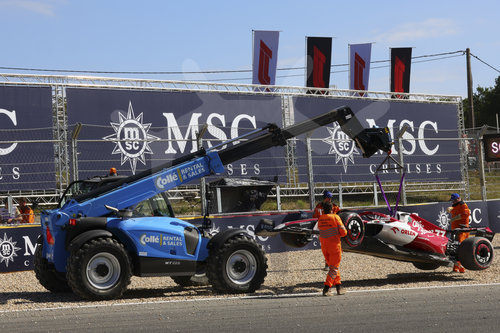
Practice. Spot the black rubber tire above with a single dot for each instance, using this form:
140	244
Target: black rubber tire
426	266
101	269
238	266
475	253
191	281
355	229
46	274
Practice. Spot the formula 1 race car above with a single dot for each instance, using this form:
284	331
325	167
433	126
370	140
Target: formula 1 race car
407	238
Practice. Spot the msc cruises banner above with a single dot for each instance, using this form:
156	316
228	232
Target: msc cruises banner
265	56
136	130
26	115
427	155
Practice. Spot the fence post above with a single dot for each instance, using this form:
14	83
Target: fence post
482	178
74	149
278	197
203	185
340	195
310	172
375	195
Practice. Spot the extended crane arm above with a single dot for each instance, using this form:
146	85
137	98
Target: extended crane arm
369	140
132	190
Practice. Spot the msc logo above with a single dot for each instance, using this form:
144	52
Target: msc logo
8	250
341	145
131	138
443	220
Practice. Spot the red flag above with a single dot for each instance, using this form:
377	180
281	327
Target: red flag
319	58
400	70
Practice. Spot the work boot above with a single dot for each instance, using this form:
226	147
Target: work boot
458	268
326	291
340	290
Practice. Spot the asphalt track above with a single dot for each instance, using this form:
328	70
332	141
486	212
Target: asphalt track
463	308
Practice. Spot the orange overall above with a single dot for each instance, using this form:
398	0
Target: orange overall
27	215
331	229
460	209
318	210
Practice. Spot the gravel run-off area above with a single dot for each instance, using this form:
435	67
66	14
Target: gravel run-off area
289	273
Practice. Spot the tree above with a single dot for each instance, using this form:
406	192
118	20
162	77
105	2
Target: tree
486	105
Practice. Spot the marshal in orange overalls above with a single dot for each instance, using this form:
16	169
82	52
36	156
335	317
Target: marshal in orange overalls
318	210
331	229
460	214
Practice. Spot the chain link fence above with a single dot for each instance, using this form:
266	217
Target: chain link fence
301	183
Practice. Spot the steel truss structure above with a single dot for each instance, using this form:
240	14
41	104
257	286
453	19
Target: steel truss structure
59	83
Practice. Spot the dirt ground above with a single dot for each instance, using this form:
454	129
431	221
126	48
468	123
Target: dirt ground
288	273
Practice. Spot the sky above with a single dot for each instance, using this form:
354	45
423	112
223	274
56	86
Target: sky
195	36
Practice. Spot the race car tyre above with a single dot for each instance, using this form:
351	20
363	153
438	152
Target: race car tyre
101	269
475	253
426	266
46	274
355	229
294	240
237	266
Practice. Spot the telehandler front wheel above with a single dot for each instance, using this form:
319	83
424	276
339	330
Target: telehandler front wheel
237	266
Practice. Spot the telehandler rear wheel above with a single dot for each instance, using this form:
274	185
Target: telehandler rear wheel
46	274
100	269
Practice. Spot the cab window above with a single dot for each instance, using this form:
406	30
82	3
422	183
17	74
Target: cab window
155	206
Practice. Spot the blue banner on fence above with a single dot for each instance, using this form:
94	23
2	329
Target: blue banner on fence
17	247
143	129
18	244
426	157
26	115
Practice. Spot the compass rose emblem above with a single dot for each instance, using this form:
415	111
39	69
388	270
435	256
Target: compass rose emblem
131	138
8	250
443	219
341	145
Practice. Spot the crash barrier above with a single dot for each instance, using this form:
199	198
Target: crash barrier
18	243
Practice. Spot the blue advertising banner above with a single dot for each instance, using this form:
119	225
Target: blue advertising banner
137	130
265	56
18	244
427	155
17	247
359	66
26	115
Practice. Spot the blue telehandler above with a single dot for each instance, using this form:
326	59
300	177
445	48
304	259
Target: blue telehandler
100	234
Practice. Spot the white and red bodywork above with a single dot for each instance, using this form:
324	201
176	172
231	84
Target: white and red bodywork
414	233
409	238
